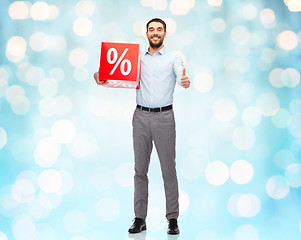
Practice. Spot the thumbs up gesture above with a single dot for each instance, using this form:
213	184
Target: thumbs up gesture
185	80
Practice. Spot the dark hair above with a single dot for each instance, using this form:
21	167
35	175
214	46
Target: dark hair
156	20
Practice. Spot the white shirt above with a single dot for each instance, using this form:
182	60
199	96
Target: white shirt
158	76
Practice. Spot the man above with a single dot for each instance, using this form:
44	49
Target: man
153	122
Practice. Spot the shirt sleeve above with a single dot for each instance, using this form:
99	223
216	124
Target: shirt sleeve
178	68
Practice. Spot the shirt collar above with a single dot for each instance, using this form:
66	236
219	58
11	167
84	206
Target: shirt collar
161	52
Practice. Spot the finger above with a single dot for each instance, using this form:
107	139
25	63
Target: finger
184	70
96	76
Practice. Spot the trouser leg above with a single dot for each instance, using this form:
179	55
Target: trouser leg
164	136
143	145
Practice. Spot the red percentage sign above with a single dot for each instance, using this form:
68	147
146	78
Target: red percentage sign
117	62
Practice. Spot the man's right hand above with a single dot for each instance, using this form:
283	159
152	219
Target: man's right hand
99	82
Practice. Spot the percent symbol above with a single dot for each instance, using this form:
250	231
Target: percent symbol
117	62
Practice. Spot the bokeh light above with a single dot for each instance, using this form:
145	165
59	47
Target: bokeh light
66	153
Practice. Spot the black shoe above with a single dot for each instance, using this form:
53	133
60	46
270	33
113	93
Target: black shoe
138	226
173	227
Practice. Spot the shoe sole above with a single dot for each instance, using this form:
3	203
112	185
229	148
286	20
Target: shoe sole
142	229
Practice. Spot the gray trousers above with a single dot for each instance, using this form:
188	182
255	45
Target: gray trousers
157	128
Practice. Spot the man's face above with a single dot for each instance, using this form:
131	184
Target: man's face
155	34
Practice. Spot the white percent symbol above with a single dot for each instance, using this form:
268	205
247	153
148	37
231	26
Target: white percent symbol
117	62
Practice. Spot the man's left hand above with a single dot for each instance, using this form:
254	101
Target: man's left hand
185	80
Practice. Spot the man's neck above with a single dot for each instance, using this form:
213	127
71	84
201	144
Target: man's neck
153	50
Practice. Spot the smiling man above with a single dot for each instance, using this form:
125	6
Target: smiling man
154	123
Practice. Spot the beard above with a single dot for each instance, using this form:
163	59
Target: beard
156	45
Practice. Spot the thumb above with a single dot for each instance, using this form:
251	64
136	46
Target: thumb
184	70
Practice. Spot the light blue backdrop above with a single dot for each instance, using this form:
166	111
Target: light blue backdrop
66	159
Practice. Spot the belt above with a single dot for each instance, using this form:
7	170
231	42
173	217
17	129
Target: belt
159	109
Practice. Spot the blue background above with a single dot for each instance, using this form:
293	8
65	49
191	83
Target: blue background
66	158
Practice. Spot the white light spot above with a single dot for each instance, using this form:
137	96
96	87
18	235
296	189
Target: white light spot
39	11
38	41
47	107
54	12
203	82
139	28
78	57
293	174
290	77
16	48
241	172
63	131
63	105
159	5
243	138
75	221
295	106
34	75
50	181
268	103
294	125
249	12
19	10
287	40
217	173
218	25
23	190
15	94
268	55
56	44
3	87
85	8
248	205
82	26
49	201
281	118
267	17
283	158
275	77
242	65
277	187
47	152
181	7
172	25
293	5
21	108
240	35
